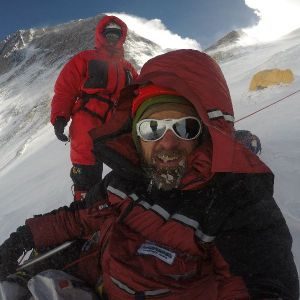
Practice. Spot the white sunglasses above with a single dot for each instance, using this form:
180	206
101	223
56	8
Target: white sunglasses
151	130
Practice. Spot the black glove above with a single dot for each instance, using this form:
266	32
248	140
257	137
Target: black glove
59	126
13	248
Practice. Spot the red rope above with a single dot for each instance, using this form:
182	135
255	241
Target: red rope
267	106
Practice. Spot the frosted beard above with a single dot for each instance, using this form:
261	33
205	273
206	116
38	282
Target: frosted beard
166	178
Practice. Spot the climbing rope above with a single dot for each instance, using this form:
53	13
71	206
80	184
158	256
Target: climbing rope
267	106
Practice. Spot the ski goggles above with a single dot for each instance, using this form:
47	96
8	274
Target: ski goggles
151	130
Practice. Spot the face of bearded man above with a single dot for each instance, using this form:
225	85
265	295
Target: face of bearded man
165	160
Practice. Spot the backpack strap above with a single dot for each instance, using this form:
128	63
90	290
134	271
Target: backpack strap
85	98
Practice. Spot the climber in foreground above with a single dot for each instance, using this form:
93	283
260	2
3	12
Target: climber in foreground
187	211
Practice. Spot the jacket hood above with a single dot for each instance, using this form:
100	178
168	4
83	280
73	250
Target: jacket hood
100	41
198	78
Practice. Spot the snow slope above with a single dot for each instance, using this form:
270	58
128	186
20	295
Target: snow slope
37	180
278	126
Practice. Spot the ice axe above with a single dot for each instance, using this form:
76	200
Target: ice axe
43	256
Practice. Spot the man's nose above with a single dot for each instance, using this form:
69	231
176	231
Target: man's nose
169	140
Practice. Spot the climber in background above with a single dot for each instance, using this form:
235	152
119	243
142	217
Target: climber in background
87	91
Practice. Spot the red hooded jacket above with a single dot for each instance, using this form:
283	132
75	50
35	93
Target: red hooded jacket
88	87
217	237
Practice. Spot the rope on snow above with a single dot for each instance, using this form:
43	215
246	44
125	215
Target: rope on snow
267	106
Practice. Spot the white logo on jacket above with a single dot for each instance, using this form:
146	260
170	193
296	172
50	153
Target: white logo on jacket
161	253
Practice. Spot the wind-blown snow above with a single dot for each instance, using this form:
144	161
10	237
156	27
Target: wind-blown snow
37	180
276	18
157	32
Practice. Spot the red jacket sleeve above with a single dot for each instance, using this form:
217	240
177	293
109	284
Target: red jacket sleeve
67	87
67	224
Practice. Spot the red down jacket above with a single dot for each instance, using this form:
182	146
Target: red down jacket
216	237
88	87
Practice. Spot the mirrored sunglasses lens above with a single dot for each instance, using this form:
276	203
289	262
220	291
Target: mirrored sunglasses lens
151	130
187	128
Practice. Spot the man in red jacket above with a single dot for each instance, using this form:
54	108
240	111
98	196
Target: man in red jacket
187	211
87	91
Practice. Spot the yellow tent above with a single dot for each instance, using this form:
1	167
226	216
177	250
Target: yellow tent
264	79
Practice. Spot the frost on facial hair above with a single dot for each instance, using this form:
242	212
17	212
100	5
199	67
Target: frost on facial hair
167	178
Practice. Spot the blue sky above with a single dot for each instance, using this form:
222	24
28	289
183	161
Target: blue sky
205	21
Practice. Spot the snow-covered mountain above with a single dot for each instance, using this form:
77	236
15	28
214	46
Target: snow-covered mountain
34	165
29	64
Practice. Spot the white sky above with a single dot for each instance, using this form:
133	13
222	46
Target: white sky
277	17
